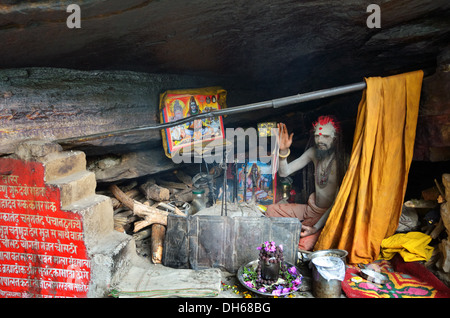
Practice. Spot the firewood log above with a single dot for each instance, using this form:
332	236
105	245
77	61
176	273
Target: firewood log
149	220
183	177
116	203
437	229
143	210
173	209
150	214
142	235
155	192
121	196
119	223
157	242
184	196
172	185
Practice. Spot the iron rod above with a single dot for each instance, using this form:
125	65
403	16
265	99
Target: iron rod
275	103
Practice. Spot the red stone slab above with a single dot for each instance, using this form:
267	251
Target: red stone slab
42	251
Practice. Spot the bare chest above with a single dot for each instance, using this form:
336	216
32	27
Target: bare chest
325	184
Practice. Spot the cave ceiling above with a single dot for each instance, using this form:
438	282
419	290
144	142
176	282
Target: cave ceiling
286	45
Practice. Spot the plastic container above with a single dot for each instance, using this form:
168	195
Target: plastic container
198	202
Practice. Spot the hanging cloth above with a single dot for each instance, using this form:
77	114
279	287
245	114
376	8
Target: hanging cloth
369	203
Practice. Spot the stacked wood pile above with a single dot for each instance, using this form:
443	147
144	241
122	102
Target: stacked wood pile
141	209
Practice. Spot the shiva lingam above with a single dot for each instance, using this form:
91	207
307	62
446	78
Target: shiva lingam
269	275
270	269
270	260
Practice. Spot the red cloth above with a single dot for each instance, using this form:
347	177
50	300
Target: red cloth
308	213
405	280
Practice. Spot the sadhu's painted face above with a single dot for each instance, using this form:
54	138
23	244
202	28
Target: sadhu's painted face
324	136
325	130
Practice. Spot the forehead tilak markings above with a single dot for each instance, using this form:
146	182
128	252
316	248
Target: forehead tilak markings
327	124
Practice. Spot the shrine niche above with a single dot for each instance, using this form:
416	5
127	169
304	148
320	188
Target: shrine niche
41	246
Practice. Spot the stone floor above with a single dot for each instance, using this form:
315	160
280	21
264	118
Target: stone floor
146	279
158	278
230	285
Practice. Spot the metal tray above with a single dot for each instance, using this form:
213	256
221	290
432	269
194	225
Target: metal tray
374	277
253	264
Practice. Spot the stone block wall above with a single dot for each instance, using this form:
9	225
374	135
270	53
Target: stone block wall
57	237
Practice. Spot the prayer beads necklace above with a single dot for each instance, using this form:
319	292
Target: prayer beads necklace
322	177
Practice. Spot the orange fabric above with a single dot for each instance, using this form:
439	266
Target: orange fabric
369	203
309	214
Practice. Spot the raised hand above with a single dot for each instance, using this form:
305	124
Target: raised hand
285	140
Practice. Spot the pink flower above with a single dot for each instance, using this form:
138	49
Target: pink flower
270	247
292	270
249	284
276	292
297	281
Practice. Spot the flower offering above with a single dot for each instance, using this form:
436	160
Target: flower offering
272	275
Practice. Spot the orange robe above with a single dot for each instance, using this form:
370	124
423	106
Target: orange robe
369	203
308	214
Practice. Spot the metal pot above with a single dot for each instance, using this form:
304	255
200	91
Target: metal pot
323	287
342	254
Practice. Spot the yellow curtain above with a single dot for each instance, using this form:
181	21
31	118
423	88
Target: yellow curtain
369	203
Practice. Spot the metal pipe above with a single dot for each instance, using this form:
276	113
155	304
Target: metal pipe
275	103
300	98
